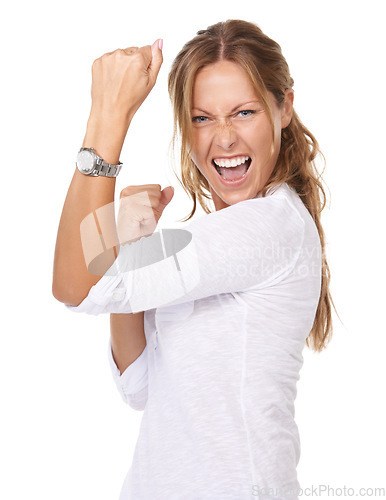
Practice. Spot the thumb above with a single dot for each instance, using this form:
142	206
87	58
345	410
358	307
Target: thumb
166	197
156	60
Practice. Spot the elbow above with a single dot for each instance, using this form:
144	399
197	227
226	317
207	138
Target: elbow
68	295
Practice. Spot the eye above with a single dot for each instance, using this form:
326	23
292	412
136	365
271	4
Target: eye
199	119
248	111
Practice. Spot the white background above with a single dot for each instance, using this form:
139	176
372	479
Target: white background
65	432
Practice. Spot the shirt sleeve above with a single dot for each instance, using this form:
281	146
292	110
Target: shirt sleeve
249	245
132	383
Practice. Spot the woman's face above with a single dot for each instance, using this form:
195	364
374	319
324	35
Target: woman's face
231	127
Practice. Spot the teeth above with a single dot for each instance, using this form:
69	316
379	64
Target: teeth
230	162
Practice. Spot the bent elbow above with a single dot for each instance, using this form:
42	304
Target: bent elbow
68	295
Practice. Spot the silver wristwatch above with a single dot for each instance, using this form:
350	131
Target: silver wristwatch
89	163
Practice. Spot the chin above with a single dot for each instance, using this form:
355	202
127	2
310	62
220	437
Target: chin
226	200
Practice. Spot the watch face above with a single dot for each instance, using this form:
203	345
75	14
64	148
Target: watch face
85	161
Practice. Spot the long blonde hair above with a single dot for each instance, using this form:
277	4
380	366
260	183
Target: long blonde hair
244	43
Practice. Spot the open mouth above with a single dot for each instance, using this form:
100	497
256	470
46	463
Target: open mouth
232	174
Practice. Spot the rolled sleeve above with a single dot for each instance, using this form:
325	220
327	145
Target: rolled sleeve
132	383
104	297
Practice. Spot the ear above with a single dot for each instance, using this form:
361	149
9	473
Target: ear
287	108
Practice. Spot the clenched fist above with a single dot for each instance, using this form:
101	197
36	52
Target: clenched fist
122	79
140	209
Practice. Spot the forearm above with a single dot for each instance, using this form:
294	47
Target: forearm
71	278
128	338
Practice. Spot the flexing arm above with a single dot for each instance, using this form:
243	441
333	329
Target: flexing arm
121	80
71	279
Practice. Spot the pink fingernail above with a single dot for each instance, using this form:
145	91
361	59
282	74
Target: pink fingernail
160	43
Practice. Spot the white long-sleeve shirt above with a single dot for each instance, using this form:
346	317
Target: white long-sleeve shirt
226	320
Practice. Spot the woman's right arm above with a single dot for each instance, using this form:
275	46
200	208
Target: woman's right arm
121	81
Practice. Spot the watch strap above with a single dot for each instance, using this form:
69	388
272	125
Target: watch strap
106	169
102	167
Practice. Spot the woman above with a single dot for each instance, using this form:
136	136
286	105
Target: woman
207	340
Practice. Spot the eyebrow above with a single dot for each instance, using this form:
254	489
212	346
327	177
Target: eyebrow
232	111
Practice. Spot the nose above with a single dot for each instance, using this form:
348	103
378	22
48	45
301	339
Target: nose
225	135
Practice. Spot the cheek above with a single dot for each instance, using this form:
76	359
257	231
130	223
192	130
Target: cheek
259	137
199	149
265	135
195	155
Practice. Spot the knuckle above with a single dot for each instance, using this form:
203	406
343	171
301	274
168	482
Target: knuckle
131	50
143	54
138	57
106	55
125	192
96	62
146	52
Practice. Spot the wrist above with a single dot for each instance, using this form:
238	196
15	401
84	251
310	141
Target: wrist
106	135
110	115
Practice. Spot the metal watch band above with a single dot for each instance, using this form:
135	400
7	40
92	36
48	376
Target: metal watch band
106	169
102	167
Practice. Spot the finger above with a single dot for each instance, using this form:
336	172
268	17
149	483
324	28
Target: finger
135	213
156	60
145	51
127	191
131	50
142	187
166	197
110	53
138	202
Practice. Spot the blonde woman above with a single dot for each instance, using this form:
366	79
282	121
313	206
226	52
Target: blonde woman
206	339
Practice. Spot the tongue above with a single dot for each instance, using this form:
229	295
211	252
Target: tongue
233	173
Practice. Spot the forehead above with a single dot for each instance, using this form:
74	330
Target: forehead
222	85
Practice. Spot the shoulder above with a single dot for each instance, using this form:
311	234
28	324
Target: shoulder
273	219
282	200
280	208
